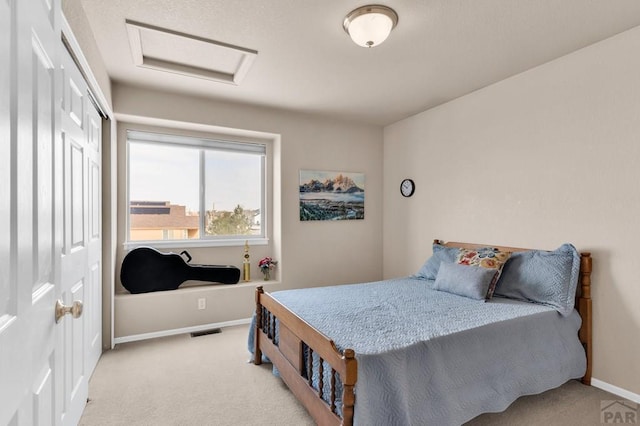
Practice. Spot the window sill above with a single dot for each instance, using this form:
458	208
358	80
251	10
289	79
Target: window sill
181	244
200	287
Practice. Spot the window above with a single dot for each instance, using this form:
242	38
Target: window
195	189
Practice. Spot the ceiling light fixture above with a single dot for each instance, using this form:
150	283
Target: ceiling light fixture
369	26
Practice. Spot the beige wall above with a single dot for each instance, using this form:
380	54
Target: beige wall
309	253
548	156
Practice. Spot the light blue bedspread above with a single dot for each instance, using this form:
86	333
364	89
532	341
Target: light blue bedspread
433	358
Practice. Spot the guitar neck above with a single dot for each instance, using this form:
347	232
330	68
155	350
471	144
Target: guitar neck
214	273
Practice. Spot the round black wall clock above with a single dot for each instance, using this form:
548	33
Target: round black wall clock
407	187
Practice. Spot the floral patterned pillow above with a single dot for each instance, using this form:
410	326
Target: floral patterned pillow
485	257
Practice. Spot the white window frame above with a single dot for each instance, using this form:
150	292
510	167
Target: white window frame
202	143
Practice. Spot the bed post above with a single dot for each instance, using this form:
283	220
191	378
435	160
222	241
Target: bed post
257	352
584	308
348	384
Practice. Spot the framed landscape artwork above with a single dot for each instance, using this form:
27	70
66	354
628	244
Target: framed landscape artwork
331	195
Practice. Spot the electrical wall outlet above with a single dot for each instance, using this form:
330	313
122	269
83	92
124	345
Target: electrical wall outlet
202	303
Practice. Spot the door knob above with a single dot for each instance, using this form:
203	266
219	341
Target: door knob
61	310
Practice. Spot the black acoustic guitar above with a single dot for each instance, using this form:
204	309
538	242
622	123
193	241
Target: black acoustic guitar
145	269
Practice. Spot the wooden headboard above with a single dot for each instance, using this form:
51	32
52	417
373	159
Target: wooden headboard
583	296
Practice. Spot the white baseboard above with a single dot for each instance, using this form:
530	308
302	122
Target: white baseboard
616	390
193	329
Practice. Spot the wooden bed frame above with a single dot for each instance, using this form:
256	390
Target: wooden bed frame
295	337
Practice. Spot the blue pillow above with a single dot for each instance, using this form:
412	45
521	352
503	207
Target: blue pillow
429	269
464	280
546	277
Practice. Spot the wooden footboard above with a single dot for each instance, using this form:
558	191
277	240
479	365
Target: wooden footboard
287	350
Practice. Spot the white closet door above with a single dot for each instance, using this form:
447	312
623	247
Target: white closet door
80	339
28	238
50	221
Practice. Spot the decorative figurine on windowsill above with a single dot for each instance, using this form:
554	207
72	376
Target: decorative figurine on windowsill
246	264
266	266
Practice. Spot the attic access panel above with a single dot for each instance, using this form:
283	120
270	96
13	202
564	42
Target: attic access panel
171	51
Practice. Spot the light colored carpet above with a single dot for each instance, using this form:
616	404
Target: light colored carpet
206	380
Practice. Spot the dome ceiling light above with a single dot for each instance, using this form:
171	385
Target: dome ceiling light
369	26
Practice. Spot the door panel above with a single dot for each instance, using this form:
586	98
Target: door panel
75	357
44	129
43	397
6	39
93	350
76	183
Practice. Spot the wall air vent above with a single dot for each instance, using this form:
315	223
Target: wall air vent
171	51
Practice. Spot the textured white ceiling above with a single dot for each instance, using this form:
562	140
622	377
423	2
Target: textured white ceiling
440	50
